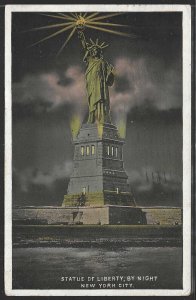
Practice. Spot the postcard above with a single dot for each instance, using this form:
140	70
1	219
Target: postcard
97	150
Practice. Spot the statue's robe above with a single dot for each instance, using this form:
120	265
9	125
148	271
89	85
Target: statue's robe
99	76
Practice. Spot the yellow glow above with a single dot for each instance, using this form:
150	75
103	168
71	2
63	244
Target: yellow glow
53	35
82	150
105	17
106	24
110	31
87	150
100	129
79	21
116	151
67	40
108	150
92	149
122	128
112	151
75	125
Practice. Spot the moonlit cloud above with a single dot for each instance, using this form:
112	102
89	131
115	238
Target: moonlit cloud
145	80
142	79
48	88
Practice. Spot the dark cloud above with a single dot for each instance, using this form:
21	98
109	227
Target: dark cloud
34	187
40	109
39	194
159	194
148	112
34	176
122	84
153	187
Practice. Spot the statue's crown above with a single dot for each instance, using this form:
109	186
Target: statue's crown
92	44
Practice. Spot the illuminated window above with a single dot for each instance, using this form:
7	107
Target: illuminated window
116	151
112	151
92	149
87	150
108	150
82	150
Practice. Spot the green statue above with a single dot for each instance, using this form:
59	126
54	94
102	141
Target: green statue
99	76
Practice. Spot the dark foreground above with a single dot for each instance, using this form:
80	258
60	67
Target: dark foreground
47	268
72	257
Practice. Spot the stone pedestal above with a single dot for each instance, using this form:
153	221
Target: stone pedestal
98	175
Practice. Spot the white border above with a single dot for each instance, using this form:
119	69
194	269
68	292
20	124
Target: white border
186	10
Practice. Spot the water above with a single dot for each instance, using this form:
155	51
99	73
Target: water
43	268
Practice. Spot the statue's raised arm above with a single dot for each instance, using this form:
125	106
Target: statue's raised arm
82	38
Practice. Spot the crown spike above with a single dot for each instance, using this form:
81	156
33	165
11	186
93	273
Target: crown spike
96	44
92	42
104	46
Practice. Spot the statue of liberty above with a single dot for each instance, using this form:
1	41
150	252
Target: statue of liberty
99	76
99	73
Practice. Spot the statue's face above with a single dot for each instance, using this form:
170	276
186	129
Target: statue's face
95	52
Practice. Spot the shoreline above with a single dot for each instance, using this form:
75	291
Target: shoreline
97	244
94	236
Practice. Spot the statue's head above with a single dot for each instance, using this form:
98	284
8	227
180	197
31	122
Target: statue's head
96	49
96	52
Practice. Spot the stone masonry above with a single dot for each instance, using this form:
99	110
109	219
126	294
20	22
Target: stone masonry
98	171
102	215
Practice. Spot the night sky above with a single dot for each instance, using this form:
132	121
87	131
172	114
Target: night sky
48	91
